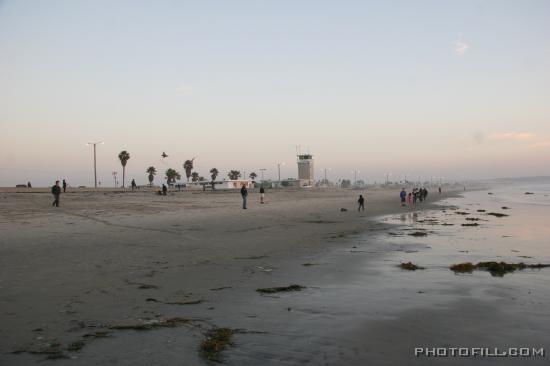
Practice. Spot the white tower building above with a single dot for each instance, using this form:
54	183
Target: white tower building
305	170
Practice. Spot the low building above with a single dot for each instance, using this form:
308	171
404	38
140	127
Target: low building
234	184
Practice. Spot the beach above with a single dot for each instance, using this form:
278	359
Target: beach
95	281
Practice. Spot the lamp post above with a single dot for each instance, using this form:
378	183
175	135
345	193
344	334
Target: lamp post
95	165
114	176
279	169
388	178
325	171
355	171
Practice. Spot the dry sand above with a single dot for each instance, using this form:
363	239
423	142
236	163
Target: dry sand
108	258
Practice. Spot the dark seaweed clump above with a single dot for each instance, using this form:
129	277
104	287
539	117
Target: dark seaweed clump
418	233
409	266
471	224
272	290
497	214
216	341
496	269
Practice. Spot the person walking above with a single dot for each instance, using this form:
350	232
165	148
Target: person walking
64	186
403	196
262	194
164	189
361	202
244	194
409	200
134	185
56	191
439	190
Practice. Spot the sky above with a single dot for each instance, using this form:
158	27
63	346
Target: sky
458	90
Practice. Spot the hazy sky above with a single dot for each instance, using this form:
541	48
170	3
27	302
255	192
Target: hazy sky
425	88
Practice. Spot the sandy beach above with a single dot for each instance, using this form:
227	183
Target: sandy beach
77	280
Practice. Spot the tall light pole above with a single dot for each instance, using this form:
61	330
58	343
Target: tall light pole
355	171
325	170
388	178
262	170
279	169
95	165
114	176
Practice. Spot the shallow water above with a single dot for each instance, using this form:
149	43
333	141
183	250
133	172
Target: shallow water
360	307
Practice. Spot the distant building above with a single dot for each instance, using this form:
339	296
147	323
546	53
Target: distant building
234	184
305	170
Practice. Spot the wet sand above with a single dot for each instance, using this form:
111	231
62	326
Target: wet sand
109	258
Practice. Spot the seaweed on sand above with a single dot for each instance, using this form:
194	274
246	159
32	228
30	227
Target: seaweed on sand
217	340
153	324
471	224
418	233
472	219
481	210
463	267
496	269
497	214
188	302
409	266
272	290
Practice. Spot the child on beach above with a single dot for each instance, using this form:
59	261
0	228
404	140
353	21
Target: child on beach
409	200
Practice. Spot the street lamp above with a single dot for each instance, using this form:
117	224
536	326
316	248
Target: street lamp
114	176
355	171
388	178
95	166
325	170
279	168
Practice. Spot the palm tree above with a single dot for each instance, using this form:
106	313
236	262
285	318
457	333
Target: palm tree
234	174
253	176
123	156
152	172
172	176
214	173
195	177
188	166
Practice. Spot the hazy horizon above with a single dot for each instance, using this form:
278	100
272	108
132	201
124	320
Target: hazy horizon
432	89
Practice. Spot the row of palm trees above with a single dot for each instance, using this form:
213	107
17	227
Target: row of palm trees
172	175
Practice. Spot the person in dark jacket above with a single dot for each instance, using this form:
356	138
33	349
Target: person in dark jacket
244	194
56	191
361	202
262	194
64	186
164	189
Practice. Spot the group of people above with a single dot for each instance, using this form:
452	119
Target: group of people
411	198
